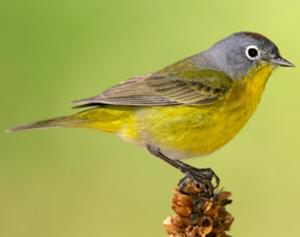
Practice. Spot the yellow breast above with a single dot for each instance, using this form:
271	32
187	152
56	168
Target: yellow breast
234	113
186	131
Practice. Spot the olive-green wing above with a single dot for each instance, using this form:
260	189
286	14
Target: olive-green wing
200	87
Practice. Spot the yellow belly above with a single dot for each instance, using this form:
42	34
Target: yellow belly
187	131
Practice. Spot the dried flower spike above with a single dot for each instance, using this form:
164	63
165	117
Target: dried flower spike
199	212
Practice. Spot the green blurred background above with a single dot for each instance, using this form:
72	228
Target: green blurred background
78	183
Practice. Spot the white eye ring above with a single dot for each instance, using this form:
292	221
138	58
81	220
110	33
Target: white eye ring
252	52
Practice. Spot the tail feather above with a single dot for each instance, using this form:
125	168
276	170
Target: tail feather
64	121
104	118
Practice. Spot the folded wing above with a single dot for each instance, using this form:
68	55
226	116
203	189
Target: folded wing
200	87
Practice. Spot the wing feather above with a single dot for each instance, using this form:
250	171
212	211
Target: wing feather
198	87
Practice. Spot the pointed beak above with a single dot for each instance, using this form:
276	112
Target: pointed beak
279	61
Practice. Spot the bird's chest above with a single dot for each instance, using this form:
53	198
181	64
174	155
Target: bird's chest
187	131
234	112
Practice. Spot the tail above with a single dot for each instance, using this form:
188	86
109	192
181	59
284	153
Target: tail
64	121
104	118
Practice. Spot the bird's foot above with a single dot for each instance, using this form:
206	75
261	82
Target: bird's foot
205	179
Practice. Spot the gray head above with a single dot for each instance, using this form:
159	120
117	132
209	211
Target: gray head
241	51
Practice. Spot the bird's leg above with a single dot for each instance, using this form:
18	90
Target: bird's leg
204	176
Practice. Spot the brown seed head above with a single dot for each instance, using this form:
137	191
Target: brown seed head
198	214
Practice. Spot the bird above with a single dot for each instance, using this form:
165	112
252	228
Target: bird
188	109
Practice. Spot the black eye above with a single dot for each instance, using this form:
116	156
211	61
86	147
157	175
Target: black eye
252	52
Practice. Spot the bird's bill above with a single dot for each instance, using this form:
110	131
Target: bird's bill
279	61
